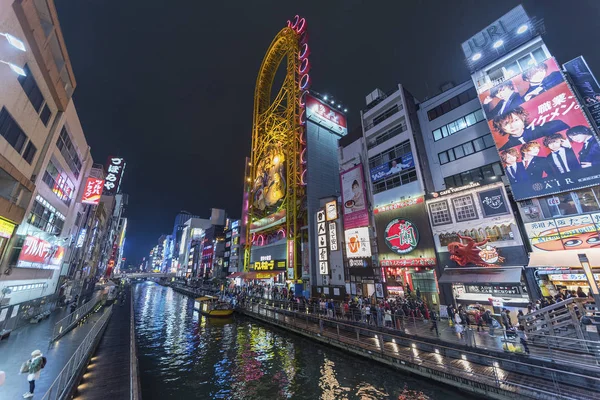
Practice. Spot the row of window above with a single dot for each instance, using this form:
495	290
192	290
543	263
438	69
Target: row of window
458	125
33	92
452	103
21	288
491	233
465	149
395	181
464	210
45	217
391	154
384	115
65	145
60	184
571	203
395	131
14	135
515	67
474	175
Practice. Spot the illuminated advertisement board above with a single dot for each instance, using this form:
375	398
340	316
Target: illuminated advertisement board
6	228
92	191
358	244
269	183
544	139
403	234
586	85
577	232
324	114
393	167
37	253
354	199
114	174
475	227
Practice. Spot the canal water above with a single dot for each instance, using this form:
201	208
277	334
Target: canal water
184	355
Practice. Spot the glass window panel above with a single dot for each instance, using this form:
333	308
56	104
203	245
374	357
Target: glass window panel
539	55
512	69
437	134
451	155
471	119
452	127
468	148
443	157
526	62
461	124
488	140
458	152
444	131
478	144
498	171
479	115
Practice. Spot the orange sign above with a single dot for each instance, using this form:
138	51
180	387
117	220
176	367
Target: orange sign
92	191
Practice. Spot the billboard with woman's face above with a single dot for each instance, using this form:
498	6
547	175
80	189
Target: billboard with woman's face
354	198
544	139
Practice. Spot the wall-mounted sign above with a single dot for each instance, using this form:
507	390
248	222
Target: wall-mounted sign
322	243
586	84
333	242
401	236
81	237
493	202
323	114
269	265
393	167
358	244
571	277
37	253
354	198
114	174
331	210
92	191
268	221
6	228
455	189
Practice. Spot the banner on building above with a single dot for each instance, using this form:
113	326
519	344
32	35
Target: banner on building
354	198
92	191
114	175
358	244
324	114
543	137
393	167
586	85
38	253
577	232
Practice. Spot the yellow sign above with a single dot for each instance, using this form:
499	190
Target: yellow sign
6	228
264	265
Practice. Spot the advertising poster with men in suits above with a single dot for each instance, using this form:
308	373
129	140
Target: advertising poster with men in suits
545	142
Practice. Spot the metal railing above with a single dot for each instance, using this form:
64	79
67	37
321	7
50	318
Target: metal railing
71	371
64	325
439	360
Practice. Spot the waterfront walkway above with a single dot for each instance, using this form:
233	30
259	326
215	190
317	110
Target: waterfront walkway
18	347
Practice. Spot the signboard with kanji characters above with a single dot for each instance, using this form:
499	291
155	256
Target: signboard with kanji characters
114	174
577	232
543	137
92	191
38	253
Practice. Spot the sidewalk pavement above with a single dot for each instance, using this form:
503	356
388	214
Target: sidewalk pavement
18	347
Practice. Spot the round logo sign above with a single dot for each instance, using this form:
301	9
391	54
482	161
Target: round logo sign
401	236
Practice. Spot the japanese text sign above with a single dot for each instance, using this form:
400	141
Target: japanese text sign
114	174
92	191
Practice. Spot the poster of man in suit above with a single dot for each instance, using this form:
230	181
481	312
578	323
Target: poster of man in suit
546	143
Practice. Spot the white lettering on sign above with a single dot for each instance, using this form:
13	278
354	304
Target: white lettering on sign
265	258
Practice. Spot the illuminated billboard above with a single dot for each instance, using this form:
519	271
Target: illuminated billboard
38	253
114	175
92	191
269	183
393	167
403	234
354	199
358	244
324	114
544	139
577	232
586	85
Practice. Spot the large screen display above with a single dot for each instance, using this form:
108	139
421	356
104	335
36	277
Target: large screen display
403	234
356	213
269	184
544	139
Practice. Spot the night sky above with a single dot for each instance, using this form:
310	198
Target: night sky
169	85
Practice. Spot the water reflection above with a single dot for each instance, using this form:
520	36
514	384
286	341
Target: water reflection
185	355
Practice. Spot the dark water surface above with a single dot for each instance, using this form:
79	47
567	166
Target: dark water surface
184	355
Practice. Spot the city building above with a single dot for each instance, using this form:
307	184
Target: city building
178	227
232	247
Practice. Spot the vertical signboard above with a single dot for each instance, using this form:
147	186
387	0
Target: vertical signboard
114	174
354	199
586	85
322	243
544	139
92	191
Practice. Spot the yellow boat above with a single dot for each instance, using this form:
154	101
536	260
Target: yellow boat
212	307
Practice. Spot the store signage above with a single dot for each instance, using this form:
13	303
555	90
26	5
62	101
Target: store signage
333	242
453	190
398	205
493	202
322	243
331	210
92	191
359	262
268	222
493	289
553	201
496	301
358	244
401	236
63	187
321	113
409	262
571	277
569	233
6	228
354	198
114	174
81	237
267	264
37	253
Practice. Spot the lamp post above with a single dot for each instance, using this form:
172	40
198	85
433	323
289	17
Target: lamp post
18	44
583	260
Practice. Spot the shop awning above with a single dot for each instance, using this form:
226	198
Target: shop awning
563	258
235	275
261	274
481	275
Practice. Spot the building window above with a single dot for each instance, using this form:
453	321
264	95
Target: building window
65	145
440	213
474	175
45	115
465	149
395	181
11	131
464	208
458	125
45	217
31	89
60	184
451	104
522	63
391	154
395	131
383	116
29	152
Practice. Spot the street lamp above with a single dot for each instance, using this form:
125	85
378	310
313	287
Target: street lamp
14	41
18	70
585	263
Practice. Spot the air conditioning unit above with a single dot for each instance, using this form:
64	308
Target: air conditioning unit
376	95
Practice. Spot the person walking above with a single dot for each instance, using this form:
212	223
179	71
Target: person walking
33	367
433	316
523	338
